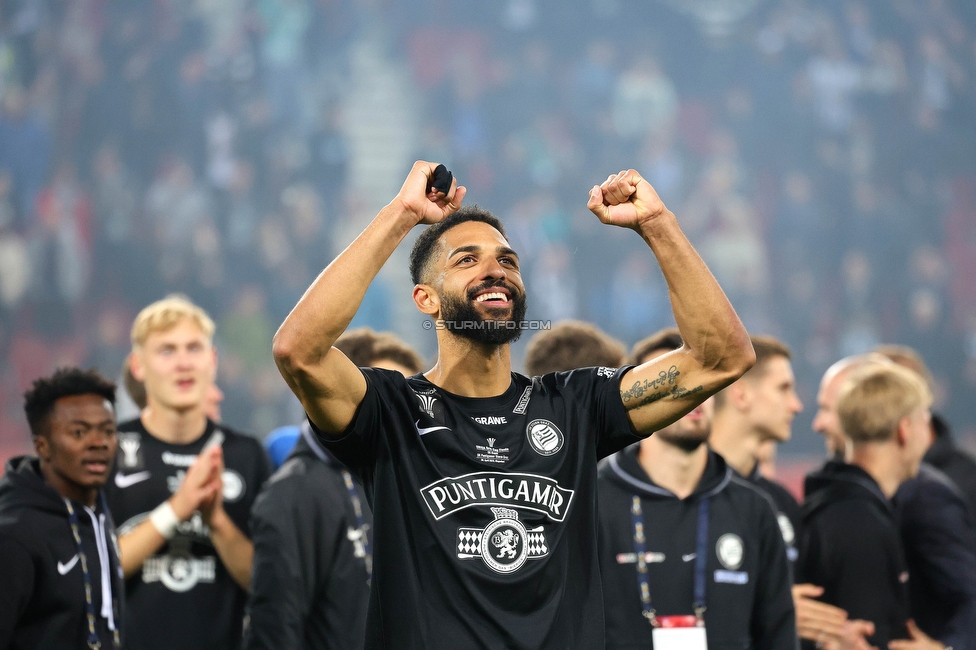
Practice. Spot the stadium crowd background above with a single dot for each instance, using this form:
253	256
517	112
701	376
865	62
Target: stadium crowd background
819	155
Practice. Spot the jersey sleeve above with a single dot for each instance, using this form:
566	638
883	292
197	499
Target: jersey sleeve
597	391
384	411
17	578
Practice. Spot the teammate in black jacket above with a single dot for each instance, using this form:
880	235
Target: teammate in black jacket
748	600
310	580
748	605
312	532
850	543
760	407
483	481
60	580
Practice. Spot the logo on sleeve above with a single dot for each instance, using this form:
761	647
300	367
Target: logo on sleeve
730	551
606	373
504	544
544	437
786	528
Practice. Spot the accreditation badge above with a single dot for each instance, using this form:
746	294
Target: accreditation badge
679	633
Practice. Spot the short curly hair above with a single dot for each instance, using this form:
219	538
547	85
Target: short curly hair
65	382
426	244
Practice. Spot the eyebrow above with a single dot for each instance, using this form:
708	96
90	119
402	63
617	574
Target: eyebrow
86	423
474	248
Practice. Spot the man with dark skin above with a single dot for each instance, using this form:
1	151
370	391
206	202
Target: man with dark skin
448	570
59	563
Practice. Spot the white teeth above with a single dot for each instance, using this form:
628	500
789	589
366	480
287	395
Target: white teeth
491	296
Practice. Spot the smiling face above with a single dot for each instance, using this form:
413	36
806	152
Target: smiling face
78	446
177	367
826	422
475	286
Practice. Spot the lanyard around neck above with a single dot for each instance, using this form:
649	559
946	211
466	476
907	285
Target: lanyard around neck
701	556
357	507
93	641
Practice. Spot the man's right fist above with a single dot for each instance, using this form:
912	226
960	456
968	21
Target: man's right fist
423	194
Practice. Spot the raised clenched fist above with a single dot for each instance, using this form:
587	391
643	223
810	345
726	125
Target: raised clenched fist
422	201
625	200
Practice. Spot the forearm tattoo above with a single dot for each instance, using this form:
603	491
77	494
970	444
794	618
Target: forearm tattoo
664	385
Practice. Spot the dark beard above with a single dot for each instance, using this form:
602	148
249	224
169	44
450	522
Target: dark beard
461	317
686	445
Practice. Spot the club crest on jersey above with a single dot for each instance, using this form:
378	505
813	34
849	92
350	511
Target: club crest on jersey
504	544
729	550
234	485
130	444
544	437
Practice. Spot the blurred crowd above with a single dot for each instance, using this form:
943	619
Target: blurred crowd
818	154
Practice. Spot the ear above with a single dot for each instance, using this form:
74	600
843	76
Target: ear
426	299
903	432
42	445
136	367
740	395
213	350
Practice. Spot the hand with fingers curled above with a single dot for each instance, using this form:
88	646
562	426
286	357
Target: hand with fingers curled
430	193
626	200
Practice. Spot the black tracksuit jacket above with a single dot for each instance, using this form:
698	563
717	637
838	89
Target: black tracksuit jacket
42	591
955	463
940	548
851	546
309	583
749	604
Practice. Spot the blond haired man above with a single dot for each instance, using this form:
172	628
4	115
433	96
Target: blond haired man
182	491
851	544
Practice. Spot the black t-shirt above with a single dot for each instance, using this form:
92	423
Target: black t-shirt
183	597
485	509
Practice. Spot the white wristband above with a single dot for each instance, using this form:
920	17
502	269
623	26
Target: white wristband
165	520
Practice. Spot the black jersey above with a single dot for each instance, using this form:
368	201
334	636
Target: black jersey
183	597
485	509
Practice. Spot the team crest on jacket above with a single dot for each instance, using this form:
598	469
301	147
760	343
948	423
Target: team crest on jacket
504	544
544	437
729	550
